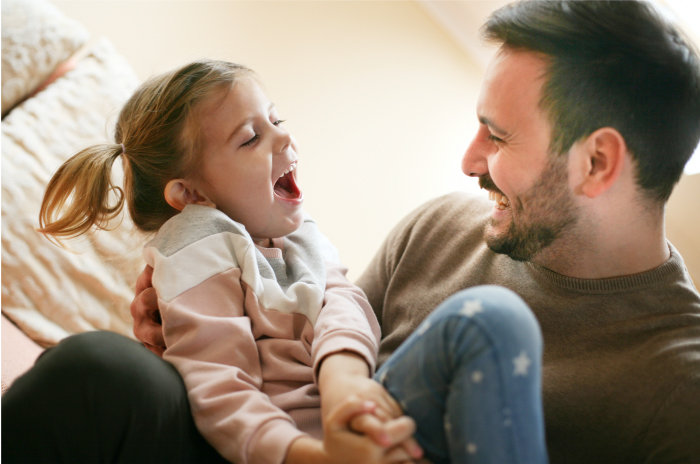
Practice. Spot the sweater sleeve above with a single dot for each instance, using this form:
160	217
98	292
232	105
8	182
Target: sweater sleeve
210	342
346	321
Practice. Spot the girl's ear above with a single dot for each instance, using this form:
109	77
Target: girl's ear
181	192
601	158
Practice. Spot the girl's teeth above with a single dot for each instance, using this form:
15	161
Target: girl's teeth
289	169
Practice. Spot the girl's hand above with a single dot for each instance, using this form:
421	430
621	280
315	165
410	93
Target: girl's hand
389	432
346	374
343	445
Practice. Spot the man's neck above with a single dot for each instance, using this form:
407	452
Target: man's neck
601	252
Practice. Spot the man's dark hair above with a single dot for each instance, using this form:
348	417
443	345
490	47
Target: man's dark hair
612	64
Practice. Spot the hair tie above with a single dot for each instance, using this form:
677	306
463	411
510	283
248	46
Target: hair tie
123	149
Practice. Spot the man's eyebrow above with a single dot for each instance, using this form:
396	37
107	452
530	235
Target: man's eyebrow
492	126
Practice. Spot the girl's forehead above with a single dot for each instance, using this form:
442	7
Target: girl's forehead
231	110
242	96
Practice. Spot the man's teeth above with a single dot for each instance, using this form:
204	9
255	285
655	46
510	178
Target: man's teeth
289	169
501	200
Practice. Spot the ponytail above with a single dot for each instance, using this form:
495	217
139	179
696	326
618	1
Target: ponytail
78	195
159	124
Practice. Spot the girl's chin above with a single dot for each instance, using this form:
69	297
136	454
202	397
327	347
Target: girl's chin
290	201
285	226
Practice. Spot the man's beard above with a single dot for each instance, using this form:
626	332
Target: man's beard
550	212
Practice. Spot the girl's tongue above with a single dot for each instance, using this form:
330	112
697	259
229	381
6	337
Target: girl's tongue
286	186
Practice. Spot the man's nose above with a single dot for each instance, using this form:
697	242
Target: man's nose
474	161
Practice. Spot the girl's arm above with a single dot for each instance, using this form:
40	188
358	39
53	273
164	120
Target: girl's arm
345	347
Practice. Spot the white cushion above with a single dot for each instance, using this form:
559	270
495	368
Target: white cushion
47	291
36	38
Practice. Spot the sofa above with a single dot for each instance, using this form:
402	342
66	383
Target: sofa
61	91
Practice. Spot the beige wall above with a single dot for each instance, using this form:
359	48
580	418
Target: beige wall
380	99
683	223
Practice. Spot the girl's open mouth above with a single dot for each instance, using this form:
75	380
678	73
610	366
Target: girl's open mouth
286	186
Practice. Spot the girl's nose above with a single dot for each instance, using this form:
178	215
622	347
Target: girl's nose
283	140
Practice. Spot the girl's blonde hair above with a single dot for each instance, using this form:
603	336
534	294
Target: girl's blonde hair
159	131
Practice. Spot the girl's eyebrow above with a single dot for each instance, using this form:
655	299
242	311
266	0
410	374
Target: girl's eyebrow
247	121
239	127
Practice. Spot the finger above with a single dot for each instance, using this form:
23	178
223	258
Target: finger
400	429
397	454
382	415
144	280
157	350
147	327
370	425
412	448
390	404
145	306
144	303
340	417
149	300
149	334
386	401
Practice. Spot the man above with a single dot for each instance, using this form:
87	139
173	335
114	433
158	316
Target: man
588	113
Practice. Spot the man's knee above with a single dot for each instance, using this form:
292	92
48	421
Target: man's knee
105	364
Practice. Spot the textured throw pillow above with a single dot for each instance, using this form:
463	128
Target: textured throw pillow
36	38
47	291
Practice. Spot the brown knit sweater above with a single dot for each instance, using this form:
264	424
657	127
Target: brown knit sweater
621	371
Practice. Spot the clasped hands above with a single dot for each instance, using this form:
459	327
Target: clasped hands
362	423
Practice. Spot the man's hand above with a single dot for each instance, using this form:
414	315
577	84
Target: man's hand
148	328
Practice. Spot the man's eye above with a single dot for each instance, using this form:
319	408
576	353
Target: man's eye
493	138
251	141
278	122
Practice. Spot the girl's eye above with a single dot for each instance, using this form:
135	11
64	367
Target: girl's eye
278	122
251	141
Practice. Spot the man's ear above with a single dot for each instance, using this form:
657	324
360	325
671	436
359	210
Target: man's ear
600	159
181	192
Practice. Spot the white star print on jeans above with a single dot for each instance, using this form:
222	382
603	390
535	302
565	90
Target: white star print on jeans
471	307
522	362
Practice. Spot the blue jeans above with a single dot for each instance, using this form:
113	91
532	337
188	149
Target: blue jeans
470	376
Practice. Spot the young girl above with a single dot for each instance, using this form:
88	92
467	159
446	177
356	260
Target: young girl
251	298
275	347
